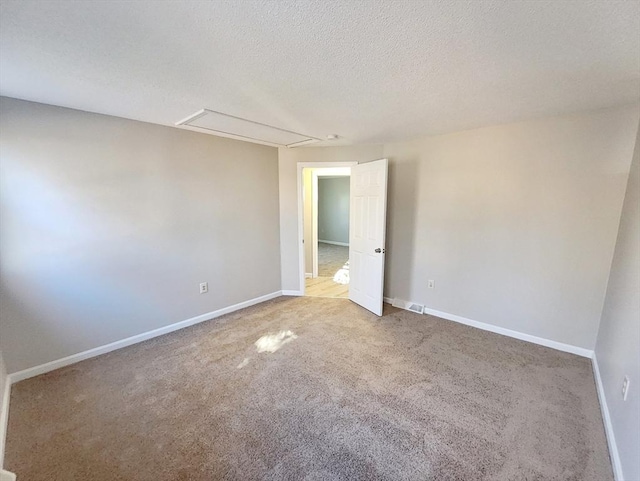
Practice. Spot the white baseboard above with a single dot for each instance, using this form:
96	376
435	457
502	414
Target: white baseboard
7	476
335	243
292	293
608	427
308	275
580	351
4	418
81	356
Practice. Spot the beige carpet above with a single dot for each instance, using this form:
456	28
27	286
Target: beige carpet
331	259
335	393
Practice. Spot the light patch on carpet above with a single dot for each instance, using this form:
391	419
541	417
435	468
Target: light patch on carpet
273	342
342	276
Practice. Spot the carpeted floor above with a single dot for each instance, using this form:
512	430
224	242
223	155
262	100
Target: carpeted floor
331	258
313	389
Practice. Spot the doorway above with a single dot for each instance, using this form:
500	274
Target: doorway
326	231
367	229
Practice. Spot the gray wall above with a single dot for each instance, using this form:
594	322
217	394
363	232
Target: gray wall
618	346
515	223
333	209
108	226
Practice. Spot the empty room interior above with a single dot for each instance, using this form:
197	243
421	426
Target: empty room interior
319	240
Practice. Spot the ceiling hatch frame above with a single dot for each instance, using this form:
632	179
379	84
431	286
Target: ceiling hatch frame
190	122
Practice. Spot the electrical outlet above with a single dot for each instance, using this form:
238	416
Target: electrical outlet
431	284
625	388
204	287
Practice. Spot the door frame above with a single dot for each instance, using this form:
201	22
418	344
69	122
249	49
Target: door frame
314	227
300	182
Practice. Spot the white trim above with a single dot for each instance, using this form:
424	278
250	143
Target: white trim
192	117
314	223
302	142
608	426
226	135
580	351
4	417
186	122
81	356
7	476
300	182
308	275
292	293
335	243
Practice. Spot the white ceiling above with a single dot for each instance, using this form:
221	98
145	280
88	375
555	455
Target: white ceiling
371	70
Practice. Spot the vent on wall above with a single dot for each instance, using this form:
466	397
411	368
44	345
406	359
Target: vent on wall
236	127
409	306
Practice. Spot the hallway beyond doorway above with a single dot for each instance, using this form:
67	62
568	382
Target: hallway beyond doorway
333	272
331	258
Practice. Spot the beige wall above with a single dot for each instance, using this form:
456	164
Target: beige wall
515	223
109	225
287	162
618	346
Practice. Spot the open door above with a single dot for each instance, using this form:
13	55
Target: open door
367	234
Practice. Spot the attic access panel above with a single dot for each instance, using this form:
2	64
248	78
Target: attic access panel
245	129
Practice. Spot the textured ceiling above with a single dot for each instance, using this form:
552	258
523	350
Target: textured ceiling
371	71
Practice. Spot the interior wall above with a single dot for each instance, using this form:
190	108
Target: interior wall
288	184
618	346
107	227
333	209
515	223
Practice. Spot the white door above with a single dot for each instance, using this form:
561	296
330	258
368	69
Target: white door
367	234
